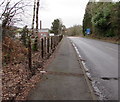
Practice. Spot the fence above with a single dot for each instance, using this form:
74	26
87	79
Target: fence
20	63
46	47
18	53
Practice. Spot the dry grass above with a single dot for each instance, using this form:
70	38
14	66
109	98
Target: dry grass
114	40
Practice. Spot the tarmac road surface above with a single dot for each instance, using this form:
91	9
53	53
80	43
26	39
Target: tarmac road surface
101	58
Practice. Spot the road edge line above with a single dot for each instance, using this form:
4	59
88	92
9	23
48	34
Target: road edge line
84	69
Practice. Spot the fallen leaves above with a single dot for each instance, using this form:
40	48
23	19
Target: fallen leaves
13	79
17	80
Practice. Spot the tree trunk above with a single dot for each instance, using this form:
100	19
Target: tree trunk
37	13
33	20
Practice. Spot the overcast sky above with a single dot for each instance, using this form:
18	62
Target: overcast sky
71	12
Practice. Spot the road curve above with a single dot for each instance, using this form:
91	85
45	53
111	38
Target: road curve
101	58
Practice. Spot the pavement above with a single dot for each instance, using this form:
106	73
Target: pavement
101	58
65	79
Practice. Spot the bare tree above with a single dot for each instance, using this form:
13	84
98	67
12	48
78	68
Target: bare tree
2	3
37	13
9	13
33	20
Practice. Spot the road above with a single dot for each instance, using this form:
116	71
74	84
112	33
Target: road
101	58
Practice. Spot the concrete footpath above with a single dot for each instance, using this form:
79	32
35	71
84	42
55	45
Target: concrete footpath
65	79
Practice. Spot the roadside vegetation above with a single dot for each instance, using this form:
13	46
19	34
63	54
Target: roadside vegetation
57	27
75	30
103	19
15	50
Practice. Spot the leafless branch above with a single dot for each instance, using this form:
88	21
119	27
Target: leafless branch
2	3
10	11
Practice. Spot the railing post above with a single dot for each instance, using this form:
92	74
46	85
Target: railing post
48	43
45	47
29	54
51	44
54	42
42	48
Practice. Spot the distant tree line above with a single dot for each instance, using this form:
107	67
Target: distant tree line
103	18
75	30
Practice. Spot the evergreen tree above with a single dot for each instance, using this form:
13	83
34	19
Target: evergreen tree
56	27
102	18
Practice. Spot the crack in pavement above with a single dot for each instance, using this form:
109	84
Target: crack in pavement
105	78
66	74
109	78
